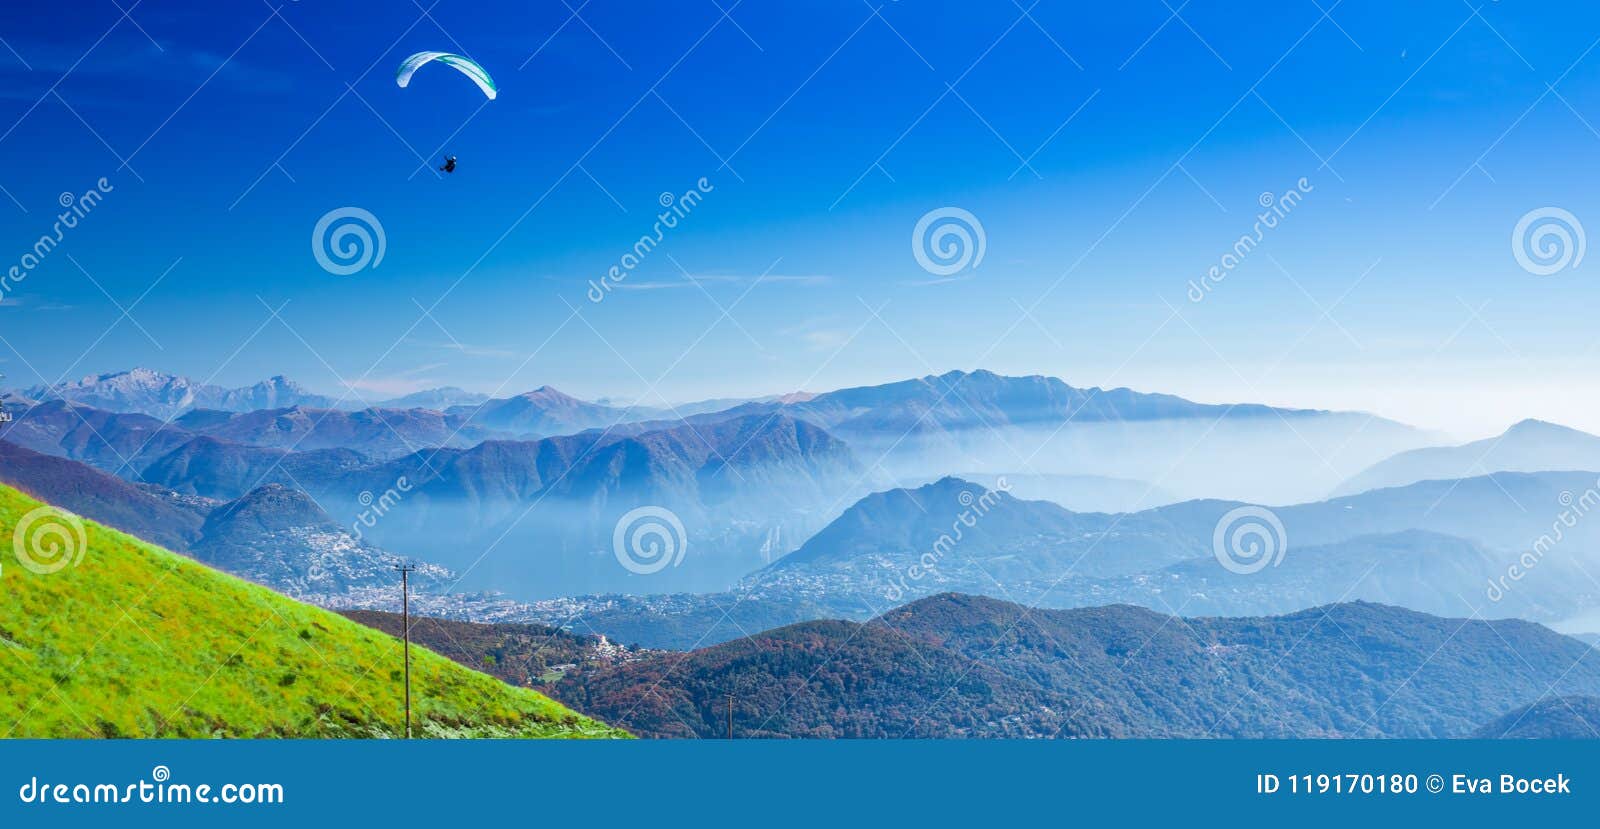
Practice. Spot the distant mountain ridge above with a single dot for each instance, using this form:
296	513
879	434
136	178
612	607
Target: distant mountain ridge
272	535
543	412
162	395
1527	446
1443	547
437	399
749	488
380	433
553	505
921	429
146	512
127	443
959	399
981	421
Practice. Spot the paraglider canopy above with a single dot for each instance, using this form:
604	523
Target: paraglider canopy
465	66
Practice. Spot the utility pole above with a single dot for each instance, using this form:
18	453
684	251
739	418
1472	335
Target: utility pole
405	627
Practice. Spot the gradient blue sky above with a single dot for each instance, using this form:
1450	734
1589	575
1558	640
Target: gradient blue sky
1425	129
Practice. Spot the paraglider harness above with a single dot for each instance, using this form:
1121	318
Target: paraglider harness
449	164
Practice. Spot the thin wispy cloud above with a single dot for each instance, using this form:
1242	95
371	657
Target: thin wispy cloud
691	280
395	385
467	349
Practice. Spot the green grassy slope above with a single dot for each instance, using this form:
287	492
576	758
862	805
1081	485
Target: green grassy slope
135	641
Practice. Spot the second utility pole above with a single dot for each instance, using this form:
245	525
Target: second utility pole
405	628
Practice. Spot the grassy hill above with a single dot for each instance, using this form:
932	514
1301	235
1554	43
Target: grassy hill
135	641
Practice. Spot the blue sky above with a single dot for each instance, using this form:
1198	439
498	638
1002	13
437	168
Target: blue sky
1111	153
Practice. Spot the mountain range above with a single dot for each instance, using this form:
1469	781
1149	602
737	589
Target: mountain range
1443	547
824	567
962	666
272	535
932	426
162	395
537	516
748	489
1528	446
540	413
1014	541
551	508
